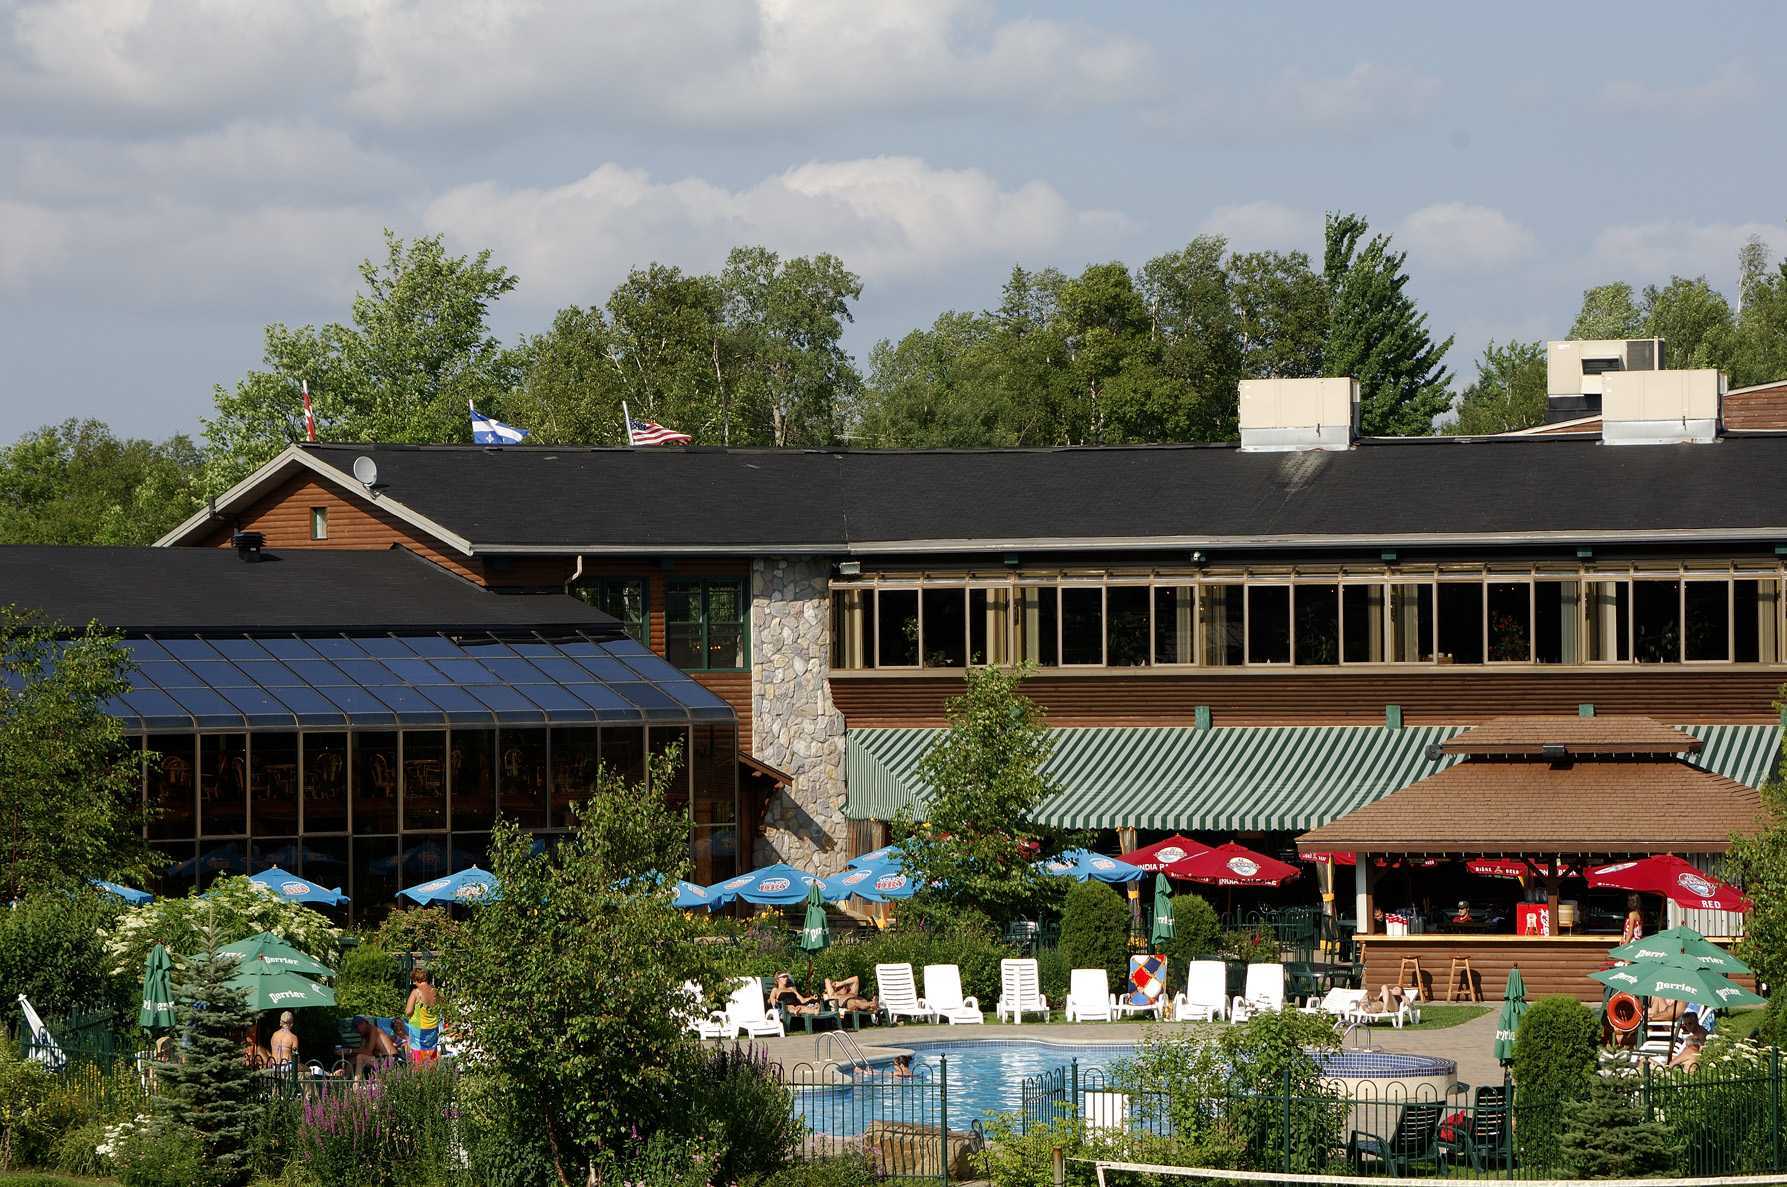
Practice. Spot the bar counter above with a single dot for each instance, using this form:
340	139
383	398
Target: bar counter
1548	964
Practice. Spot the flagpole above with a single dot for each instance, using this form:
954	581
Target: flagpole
626	424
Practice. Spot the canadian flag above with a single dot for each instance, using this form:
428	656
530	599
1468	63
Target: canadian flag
309	416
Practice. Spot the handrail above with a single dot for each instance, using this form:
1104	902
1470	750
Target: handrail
833	1038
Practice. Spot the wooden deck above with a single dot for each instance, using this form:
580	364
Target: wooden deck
1548	964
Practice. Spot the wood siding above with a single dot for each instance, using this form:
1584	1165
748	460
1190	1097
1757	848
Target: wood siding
1548	965
1765	408
1337	697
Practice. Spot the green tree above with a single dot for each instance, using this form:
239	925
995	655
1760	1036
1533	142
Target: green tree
1608	311
77	483
233	909
1281	310
1095	930
1695	322
52	951
418	349
571	982
1509	391
1760	355
937	388
570	391
1378	336
794	379
675	354
1554	1062
70	783
1758	861
1606	1135
985	783
1194	348
211	1090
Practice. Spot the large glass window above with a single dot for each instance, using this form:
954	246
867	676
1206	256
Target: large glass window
852	629
663	738
220	858
522	777
623	752
326	862
273	784
1656	622
325	784
1126	624
1556	623
1082	624
1222	612
704	624
989	626
1411	635
624	598
714	807
1607	610
1510	622
1706	610
1461	622
172	788
945	628
471	766
1039	624
1268	624
1175	624
378	873
1362	622
1755	621
1318	624
896	618
181	873
223	784
375	782
426	856
424	779
576	754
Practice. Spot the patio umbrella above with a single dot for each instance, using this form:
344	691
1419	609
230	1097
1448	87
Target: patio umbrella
778	885
873	884
1232	865
1337	857
1163	911
814	935
293	889
692	896
886	855
1162	854
1508	1022
1667	874
1083	864
157	1012
269	990
266	952
1681	945
1653	978
135	898
469	885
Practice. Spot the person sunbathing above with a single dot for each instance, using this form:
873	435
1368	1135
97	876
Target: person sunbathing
848	995
1693	1038
790	998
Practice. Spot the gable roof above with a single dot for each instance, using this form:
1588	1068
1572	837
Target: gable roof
212	590
548	499
1577	735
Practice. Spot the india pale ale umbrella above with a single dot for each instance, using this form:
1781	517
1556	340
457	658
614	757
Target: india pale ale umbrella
1232	865
1669	875
1163	911
1162	854
1680	945
1508	1022
157	1012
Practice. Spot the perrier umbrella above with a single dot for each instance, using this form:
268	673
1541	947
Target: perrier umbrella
1680	945
158	991
1677	982
1513	1006
282	991
814	935
1163	911
266	952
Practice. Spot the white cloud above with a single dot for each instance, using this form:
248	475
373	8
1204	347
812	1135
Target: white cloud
1370	93
1660	249
1730	85
1254	226
1462	237
888	218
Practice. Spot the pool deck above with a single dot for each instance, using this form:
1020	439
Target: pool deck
1469	1045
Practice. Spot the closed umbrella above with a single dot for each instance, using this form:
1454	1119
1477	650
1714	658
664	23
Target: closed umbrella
281	991
1163	911
266	952
157	1012
1681	945
1677	982
1508	1022
815	936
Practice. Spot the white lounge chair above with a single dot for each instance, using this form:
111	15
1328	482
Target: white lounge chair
1265	992
1089	996
746	1011
1020	991
1408	1009
43	1045
899	996
707	1026
1336	1003
1206	994
943	993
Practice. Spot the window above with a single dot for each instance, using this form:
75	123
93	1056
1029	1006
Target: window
896	620
1362	623
989	626
1175	624
1222	613
1556	622
1510	622
1706	617
1082	625
471	769
273	784
945	628
375	782
1268	624
1039	624
171	797
1318	624
624	598
424	779
1126	613
1755	621
1460	622
223	785
704	625
1607	610
1411	623
319	523
325	784
1657	622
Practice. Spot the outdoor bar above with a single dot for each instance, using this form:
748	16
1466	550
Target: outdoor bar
1480	868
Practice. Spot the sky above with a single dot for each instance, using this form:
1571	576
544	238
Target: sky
176	174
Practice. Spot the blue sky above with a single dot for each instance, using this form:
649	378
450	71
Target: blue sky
174	175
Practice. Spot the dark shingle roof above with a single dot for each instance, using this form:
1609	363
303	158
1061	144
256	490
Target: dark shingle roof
200	590
1434	488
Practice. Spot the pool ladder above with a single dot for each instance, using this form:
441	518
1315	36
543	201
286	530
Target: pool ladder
831	1040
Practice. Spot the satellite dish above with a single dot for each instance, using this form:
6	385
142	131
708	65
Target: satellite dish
366	470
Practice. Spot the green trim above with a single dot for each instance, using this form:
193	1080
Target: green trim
1585	709
1393	716
741	587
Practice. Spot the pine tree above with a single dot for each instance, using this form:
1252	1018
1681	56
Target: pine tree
1377	336
212	1090
1606	1136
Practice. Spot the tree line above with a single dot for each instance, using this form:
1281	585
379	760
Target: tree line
753	355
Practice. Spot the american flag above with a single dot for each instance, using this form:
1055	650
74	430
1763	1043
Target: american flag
650	432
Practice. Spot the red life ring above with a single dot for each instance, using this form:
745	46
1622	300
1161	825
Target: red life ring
1624	1013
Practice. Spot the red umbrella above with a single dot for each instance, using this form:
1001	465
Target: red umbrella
1511	867
1340	857
1161	854
1669	875
1232	865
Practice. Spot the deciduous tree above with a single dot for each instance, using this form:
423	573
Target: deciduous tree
1608	311
1508	393
77	483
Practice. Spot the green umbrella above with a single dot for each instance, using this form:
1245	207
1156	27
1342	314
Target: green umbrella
268	953
1680	945
1513	1006
282	991
1163	910
1678	982
158	991
814	935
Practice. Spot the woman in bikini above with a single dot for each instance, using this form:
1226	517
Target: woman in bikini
790	998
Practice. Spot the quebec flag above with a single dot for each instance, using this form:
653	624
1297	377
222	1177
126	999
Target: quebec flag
488	430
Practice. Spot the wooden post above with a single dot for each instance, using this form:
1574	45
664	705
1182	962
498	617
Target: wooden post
1126	840
1552	883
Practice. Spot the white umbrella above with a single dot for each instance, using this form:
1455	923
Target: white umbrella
44	1048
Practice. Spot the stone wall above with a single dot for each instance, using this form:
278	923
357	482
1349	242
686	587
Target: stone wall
794	725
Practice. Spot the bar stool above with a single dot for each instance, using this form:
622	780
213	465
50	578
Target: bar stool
1409	973
1461	977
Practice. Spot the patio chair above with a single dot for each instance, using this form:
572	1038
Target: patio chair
1338	1004
807	1020
711	1026
1089	996
1133	1000
1205	998
1659	1039
1415	1139
1264	992
899	996
41	1045
943	992
746	1011
1408	1009
1020	991
1481	1139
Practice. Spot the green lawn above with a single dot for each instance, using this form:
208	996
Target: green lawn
1443	1017
45	1179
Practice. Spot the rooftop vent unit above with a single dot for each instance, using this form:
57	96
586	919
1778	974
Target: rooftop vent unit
1576	371
1279	415
1661	407
248	545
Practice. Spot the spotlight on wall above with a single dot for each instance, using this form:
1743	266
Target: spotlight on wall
850	568
1199	557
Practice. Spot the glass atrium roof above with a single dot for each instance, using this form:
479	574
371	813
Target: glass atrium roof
385	681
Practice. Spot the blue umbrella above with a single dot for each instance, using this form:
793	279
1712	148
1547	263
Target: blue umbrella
1081	864
780	885
874	884
135	898
294	889
886	855
469	885
692	896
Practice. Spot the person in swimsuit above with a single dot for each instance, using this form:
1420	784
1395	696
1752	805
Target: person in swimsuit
790	998
847	995
376	1049
422	1019
285	1042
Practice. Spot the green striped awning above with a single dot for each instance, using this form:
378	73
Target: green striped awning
1237	779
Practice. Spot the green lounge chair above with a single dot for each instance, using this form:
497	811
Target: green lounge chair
1481	1139
1415	1140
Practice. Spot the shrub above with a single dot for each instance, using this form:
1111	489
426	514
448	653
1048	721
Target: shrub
162	1153
737	1093
662	1160
26	1130
1197	934
397	1131
850	1170
51	951
80	1151
367	982
415	929
1250	947
273	1140
234	909
1095	930
1605	1135
1554	1061
504	1146
1052	968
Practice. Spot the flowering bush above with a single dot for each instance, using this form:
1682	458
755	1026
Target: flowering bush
155	1152
397	1129
236	907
